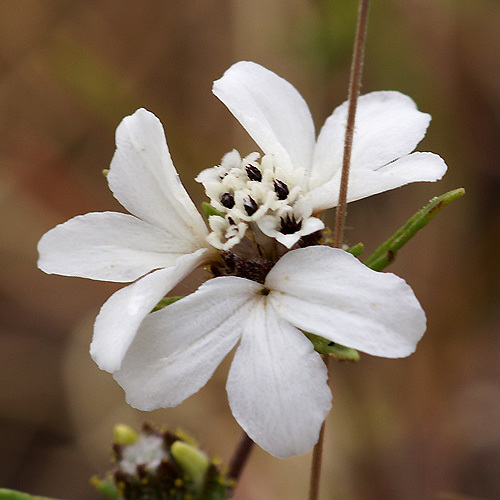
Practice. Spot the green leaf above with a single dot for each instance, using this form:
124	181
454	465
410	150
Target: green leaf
356	250
386	253
328	348
17	495
208	210
166	301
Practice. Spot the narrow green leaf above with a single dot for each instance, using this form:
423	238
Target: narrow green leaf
166	301
17	495
386	253
329	348
356	250
208	210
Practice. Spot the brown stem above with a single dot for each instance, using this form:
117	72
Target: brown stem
240	457
341	212
316	465
354	88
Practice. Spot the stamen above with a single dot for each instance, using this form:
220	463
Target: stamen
254	174
281	189
289	225
250	206
227	200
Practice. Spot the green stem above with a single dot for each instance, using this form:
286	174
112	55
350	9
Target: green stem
386	253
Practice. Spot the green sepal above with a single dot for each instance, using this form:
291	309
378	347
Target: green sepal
356	250
208	210
328	348
386	253
166	301
17	495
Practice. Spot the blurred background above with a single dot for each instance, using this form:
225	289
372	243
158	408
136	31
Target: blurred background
426	427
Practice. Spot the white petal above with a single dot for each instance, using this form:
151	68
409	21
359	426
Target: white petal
388	126
178	348
271	110
144	180
309	226
269	225
107	246
328	292
416	167
120	317
277	385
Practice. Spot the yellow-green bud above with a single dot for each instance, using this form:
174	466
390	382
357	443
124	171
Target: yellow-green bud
192	460
124	435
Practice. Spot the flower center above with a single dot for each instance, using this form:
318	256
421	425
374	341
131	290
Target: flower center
248	189
256	193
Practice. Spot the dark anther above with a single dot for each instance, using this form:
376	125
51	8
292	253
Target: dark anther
250	206
254	174
289	225
231	221
281	189
227	199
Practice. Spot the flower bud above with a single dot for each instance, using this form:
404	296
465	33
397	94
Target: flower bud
191	459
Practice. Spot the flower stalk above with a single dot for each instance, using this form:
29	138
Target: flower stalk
239	460
354	89
341	211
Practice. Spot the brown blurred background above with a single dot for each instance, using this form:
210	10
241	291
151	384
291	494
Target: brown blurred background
426	427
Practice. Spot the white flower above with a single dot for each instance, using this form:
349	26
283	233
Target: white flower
388	128
277	383
163	243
